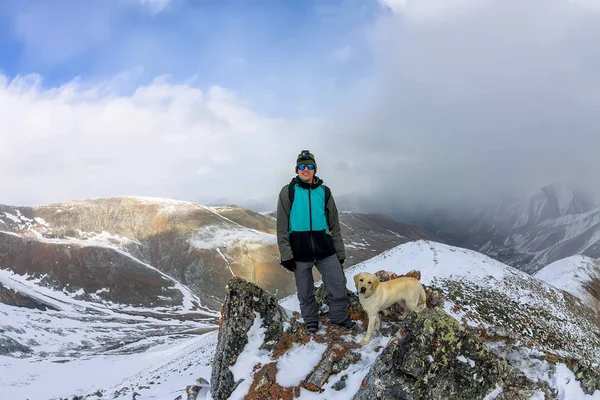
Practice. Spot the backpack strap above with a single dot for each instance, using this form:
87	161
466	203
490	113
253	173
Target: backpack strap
327	196
292	192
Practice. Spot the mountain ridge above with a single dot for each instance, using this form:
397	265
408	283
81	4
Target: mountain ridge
527	233
197	246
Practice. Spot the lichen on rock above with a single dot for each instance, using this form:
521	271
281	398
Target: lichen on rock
436	358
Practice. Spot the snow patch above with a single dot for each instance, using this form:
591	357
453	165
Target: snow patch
298	362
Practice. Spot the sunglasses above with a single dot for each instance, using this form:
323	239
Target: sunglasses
309	166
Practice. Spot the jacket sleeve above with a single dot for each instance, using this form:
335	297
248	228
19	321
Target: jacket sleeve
334	225
283	225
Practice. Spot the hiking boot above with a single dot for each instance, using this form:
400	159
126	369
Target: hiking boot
312	327
347	324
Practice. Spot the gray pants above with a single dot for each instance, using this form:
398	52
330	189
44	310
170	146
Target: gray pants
335	283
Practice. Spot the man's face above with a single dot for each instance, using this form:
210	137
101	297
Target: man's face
306	173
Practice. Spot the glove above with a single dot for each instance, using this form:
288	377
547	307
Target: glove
290	264
342	261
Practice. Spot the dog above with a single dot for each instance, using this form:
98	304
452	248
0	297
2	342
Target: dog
375	296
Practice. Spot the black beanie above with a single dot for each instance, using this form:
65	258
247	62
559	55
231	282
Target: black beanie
305	157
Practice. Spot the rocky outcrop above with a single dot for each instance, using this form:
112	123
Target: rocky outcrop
9	346
243	300
435	358
430	356
17	299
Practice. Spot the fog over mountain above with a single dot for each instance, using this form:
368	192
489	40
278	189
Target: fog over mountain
476	100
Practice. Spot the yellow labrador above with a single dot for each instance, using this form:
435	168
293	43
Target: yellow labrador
375	296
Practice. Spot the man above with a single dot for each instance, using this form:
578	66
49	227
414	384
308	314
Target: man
309	234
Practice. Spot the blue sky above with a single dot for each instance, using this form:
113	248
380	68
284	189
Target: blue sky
264	50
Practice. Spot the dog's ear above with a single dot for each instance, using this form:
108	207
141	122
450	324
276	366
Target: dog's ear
375	282
356	277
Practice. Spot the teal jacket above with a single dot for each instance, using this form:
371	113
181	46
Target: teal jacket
308	229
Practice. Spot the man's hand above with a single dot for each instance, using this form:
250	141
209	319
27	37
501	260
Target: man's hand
290	264
342	261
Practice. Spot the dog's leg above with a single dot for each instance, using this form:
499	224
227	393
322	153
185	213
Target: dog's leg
377	322
370	329
410	306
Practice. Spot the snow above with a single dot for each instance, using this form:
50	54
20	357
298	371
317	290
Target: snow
226	260
466	360
214	236
22	221
396	234
564	196
167	205
356	245
574	224
567	387
48	379
248	358
13	218
290	372
570	274
428	257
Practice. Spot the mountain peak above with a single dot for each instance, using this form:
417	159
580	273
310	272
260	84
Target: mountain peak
568	199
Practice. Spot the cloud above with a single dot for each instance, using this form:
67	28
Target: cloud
163	139
344	54
472	99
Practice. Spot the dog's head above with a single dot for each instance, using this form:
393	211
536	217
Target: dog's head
366	283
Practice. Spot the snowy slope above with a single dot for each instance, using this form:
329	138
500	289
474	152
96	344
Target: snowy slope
66	300
478	289
53	353
85	347
576	275
492	298
160	372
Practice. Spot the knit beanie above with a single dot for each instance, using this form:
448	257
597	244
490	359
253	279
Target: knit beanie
305	157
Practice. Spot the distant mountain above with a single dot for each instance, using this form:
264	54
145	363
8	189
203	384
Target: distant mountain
162	253
140	252
528	233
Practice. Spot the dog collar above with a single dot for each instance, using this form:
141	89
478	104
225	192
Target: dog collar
366	297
